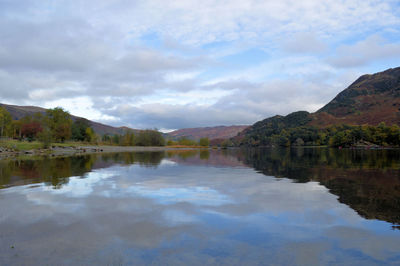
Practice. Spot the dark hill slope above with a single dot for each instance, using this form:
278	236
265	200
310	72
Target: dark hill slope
18	112
275	124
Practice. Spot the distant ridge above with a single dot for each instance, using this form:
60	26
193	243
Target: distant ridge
218	132
18	112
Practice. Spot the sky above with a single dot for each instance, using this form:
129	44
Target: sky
185	63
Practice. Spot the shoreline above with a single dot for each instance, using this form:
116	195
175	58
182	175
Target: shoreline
59	151
87	149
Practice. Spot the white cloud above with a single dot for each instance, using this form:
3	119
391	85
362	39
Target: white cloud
174	56
371	49
304	42
195	22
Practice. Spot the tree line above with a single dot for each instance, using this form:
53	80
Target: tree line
146	137
335	136
56	125
184	141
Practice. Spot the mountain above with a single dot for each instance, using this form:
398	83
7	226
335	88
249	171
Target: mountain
18	112
371	99
218	132
261	130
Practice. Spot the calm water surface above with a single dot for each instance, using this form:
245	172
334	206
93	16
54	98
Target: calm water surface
233	207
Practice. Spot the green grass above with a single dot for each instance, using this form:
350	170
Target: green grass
69	144
26	145
20	145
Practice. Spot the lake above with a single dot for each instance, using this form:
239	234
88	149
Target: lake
208	207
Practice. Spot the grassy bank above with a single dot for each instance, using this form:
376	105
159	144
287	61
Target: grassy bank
20	145
34	145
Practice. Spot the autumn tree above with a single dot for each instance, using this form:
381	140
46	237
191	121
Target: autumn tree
31	130
59	122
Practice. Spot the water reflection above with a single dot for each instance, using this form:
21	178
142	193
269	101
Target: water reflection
366	180
202	207
56	171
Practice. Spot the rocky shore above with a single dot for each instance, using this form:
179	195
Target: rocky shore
76	150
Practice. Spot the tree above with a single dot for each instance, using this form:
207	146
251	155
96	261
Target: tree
170	142
5	121
45	137
226	143
31	130
128	139
16	129
116	139
78	129
59	123
186	142
394	135
204	142
150	138
106	138
90	136
280	140
299	142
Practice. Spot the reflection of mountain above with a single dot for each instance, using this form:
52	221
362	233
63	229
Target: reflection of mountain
216	158
367	181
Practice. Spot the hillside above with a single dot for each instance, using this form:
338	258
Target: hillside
273	125
219	132
17	112
370	100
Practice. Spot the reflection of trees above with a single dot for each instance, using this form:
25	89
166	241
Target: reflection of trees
146	159
6	170
56	172
51	171
204	154
367	181
183	154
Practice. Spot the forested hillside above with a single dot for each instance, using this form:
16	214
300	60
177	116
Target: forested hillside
366	113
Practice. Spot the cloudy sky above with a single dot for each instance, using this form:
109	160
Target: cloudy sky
187	63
